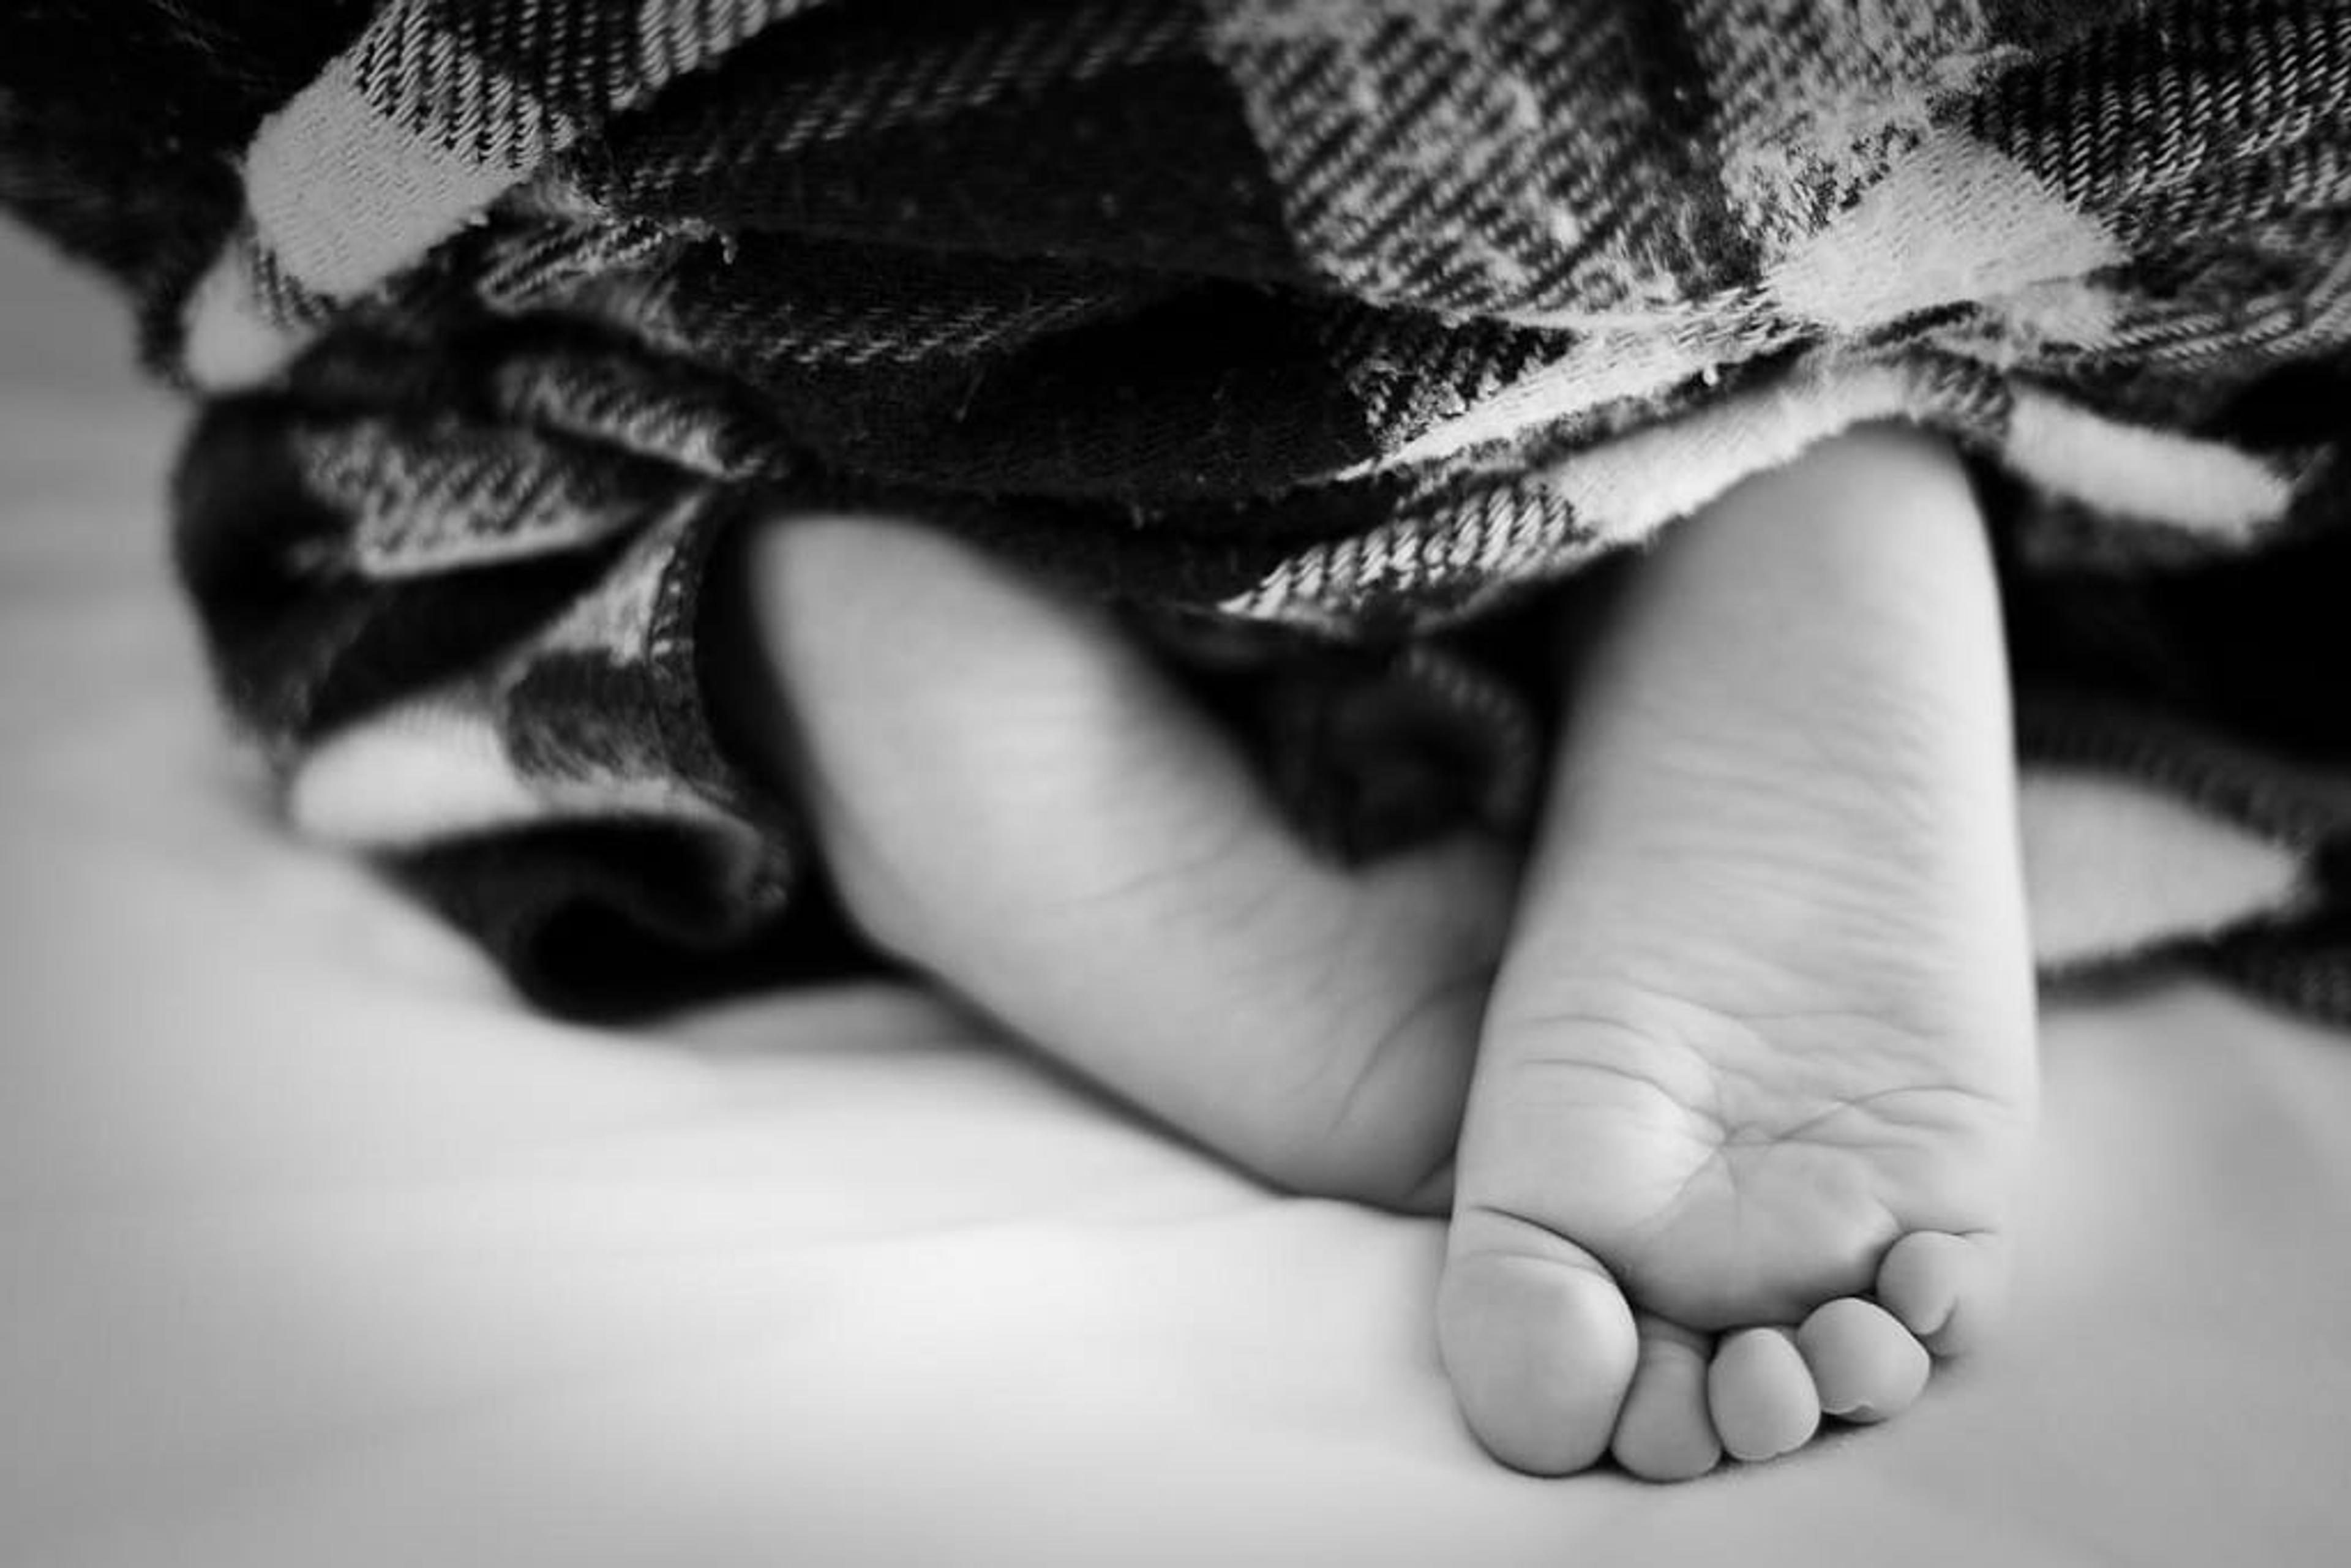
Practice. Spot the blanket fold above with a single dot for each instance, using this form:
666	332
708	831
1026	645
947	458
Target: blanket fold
1330	337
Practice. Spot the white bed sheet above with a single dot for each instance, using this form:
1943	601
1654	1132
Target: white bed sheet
318	1250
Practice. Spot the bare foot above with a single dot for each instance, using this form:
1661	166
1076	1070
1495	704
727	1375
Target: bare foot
1757	1069
1011	798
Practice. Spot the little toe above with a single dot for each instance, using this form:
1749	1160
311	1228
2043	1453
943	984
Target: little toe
1946	1290
1538	1340
1665	1433
1760	1395
1865	1366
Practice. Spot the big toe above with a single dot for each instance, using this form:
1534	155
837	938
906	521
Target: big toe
1538	1342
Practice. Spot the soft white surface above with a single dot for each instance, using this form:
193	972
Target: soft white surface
318	1250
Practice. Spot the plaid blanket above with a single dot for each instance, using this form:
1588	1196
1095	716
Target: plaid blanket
1324	335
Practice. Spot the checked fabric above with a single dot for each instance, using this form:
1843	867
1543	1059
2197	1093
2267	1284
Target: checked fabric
1329	338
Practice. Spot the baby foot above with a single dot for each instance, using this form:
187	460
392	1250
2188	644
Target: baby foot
1759	1067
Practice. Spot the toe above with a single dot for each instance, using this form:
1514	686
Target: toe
1865	1366
1946	1290
1665	1433
1538	1340
1760	1395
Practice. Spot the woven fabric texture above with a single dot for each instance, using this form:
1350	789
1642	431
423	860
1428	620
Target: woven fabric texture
1327	337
